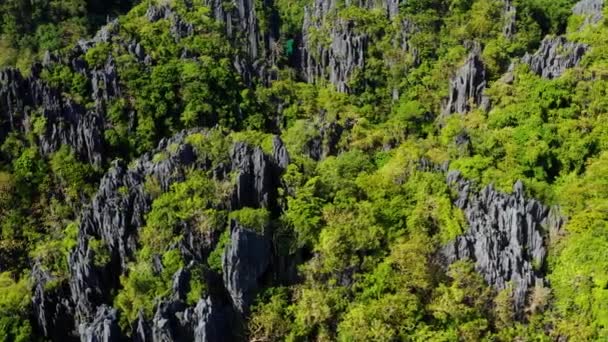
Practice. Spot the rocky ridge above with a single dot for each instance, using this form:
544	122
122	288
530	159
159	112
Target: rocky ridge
25	100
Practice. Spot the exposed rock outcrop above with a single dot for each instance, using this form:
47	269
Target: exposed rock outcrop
109	227
510	14
279	153
103	328
326	142
65	122
179	27
467	86
104	83
51	306
114	217
344	53
591	9
174	321
257	178
244	262
341	58
213	322
260	44
554	56
506	237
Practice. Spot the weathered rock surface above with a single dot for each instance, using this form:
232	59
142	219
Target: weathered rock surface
257	180
279	153
66	123
109	226
213	322
554	56
591	9
244	262
510	14
506	237
260	44
467	86
179	27
326	142
346	52
103	328
51	306
344	55
114	217
174	321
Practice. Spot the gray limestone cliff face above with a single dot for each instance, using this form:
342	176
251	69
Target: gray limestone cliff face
51	306
110	225
554	56
66	123
103	79
173	321
326	142
179	28
260	44
345	52
240	22
506	237
114	217
510	15
592	10
26	99
212	322
103	328
244	262
467	87
257	176
337	61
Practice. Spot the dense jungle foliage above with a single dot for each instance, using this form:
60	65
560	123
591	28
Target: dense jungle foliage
364	220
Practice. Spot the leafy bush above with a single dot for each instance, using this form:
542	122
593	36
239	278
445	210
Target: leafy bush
14	309
256	219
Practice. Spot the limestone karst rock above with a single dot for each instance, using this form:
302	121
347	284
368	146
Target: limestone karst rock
346	48
66	123
245	260
111	223
103	328
554	56
506	239
591	9
467	86
51	306
510	13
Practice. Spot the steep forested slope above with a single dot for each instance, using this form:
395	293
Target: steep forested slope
428	170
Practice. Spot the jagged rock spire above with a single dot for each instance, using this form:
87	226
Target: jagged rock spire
467	86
